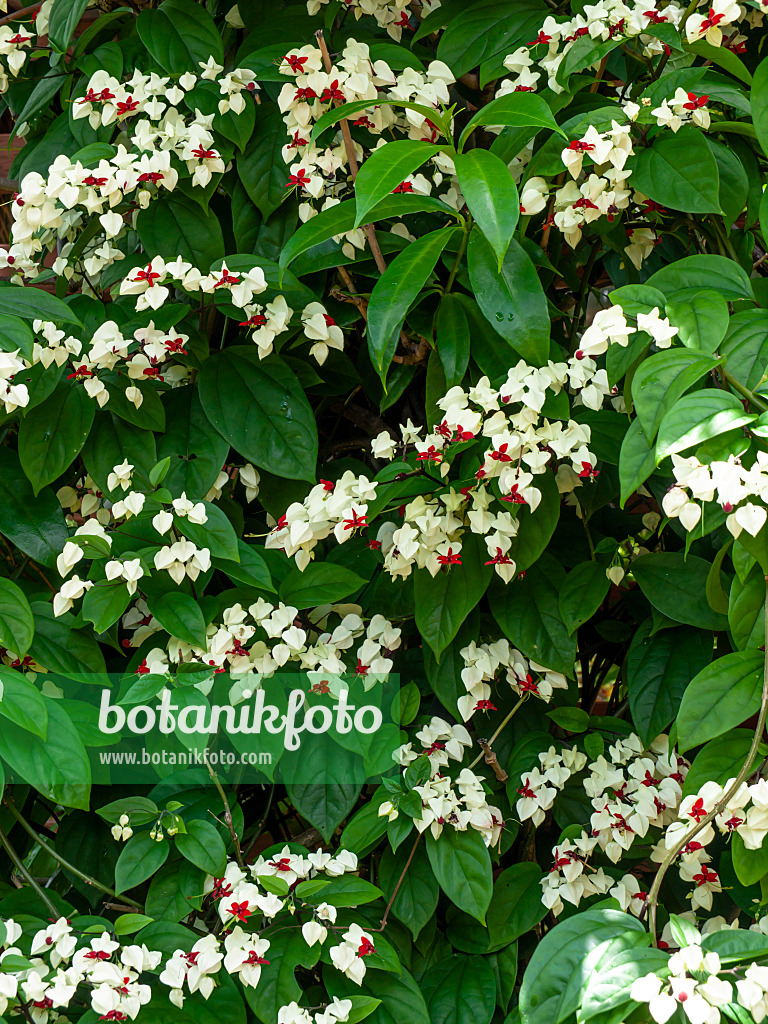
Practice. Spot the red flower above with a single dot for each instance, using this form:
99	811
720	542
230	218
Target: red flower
449	558
695	102
300	178
240	911
297	63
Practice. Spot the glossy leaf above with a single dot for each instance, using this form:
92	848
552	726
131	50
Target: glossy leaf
512	299
385	169
51	439
491	196
259	407
462	866
720	697
396	290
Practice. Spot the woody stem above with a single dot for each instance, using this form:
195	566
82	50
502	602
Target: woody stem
653	894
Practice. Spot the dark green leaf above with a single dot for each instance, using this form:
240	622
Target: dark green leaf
260	408
51	438
659	668
511	300
491	196
722	696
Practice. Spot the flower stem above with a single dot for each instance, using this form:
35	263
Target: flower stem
19	865
65	863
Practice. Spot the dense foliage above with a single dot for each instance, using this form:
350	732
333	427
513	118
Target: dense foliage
351	345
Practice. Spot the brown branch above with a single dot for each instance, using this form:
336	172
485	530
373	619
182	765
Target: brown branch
492	761
20	14
349	146
397	887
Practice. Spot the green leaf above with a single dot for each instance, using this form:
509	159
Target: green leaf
570	719
478	33
385	169
328	801
180	616
462	866
59	648
460	990
722	696
22	703
140	858
453	340
216	533
17	626
112	441
745	347
564	961
527	611
57	766
719	760
196	449
703	319
512	299
104	603
202	846
15	334
750	865
179	35
261	410
396	290
319	583
491	196
637	459
608	989
415	901
734	185
250	569
583	54
34	304
262	169
337	220
444	601
174	225
40	97
129	924
725	276
516	109
278	985
674	585
51	438
62	22
347	891
582	593
697	417
679	171
401	999
659	668
661	379
729	61
746	611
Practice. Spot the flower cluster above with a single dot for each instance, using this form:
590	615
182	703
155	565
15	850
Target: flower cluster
257	642
726	482
62	965
694	986
460	802
513	444
631	790
483	664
